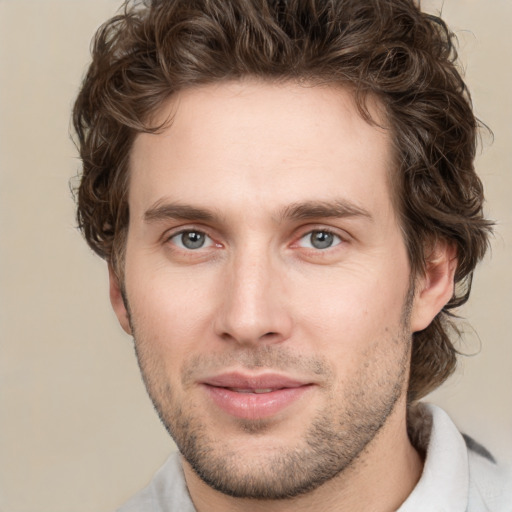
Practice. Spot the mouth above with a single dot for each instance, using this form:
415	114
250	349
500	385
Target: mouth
255	391
254	397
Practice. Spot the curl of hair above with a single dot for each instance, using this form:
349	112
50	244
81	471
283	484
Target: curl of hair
388	49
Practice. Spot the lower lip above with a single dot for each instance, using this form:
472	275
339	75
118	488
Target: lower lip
254	406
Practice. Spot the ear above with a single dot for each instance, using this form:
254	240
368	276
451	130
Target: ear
116	299
436	287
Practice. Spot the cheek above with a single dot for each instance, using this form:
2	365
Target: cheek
352	303
345	318
169	310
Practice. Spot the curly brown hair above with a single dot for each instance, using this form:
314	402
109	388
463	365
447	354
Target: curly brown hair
385	48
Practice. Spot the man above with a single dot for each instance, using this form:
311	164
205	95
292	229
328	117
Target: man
285	195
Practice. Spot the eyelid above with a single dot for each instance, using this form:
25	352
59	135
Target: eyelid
171	233
174	232
327	231
208	242
300	233
184	228
310	228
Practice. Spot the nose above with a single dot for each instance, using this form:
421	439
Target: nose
252	306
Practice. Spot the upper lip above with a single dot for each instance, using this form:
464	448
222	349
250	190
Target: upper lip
238	380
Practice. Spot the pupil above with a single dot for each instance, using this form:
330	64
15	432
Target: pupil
321	239
192	239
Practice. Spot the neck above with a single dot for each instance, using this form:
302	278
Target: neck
380	480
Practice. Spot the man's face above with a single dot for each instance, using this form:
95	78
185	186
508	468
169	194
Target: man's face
267	282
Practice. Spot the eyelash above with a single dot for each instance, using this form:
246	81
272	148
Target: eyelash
338	239
168	239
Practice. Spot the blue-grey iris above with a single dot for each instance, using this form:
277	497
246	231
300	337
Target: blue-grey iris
193	239
321	239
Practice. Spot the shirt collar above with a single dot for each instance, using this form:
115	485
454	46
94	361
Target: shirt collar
444	483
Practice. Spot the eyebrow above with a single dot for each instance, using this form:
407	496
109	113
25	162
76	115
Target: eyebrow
307	210
339	208
177	211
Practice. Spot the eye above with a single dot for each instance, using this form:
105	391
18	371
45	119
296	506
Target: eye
191	240
319	239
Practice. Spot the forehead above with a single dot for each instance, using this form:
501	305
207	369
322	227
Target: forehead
253	142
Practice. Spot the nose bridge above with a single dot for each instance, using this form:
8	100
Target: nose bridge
252	307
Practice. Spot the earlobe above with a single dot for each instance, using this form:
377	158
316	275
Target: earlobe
436	287
117	301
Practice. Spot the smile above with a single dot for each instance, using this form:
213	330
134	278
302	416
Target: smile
254	397
257	391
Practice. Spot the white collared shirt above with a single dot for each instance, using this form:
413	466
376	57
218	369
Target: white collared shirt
459	475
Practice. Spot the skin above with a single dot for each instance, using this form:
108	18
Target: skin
256	168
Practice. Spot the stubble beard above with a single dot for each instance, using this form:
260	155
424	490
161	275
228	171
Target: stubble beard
333	443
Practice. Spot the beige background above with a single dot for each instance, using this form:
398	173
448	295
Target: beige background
77	432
